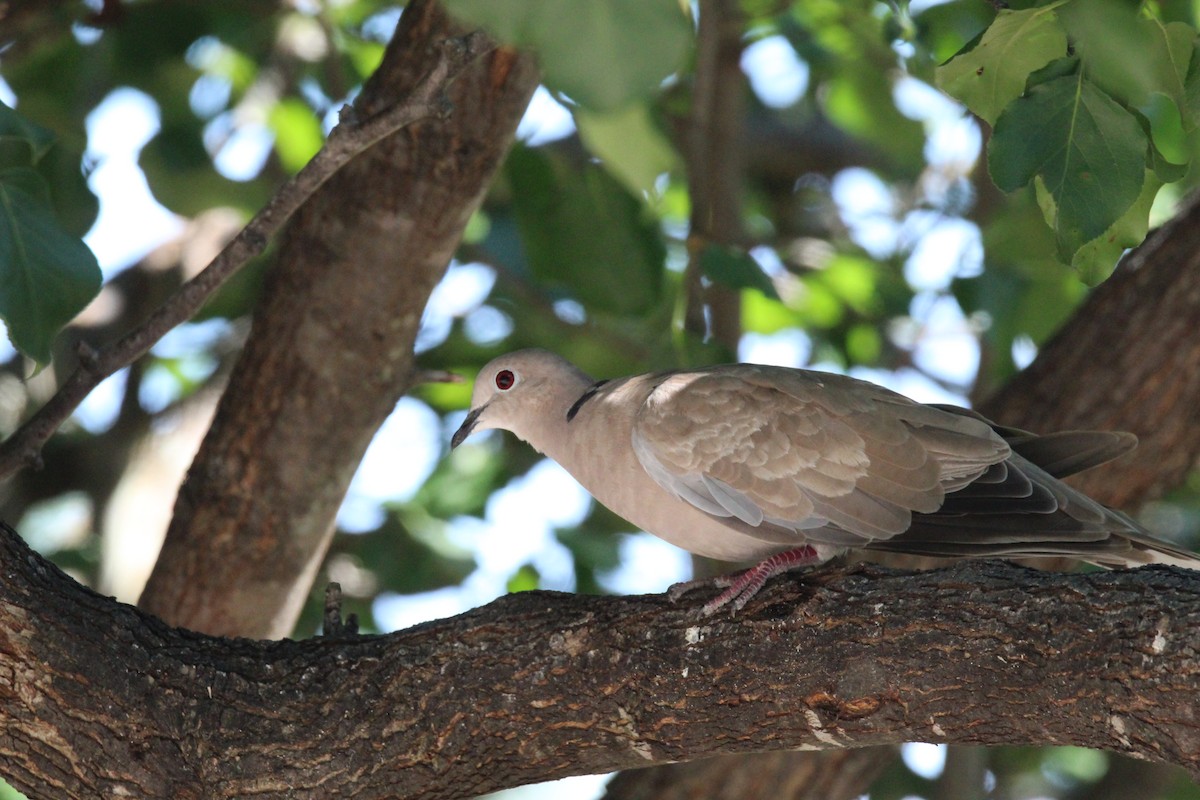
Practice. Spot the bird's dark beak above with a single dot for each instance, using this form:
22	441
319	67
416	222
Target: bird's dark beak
465	429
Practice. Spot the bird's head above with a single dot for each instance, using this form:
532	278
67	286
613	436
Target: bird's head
513	391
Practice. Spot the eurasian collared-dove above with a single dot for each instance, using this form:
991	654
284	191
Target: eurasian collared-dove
743	461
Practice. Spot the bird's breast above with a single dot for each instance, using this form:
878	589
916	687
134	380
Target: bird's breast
599	454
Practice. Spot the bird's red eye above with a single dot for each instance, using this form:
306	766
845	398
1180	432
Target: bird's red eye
505	380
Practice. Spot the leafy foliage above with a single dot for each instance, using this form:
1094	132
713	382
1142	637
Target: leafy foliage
1075	113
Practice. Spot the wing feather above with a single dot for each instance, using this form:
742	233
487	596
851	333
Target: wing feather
843	460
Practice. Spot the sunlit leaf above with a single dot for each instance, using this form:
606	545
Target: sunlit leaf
864	344
993	74
525	579
946	28
364	56
629	144
818	306
445	396
1096	259
853	279
762	314
298	134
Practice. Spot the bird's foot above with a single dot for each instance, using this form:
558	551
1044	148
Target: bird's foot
740	588
676	591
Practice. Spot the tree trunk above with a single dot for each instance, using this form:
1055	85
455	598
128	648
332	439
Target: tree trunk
330	351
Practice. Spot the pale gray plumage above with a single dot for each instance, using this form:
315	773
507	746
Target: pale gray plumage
743	461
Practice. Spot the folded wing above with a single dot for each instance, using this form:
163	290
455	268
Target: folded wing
846	462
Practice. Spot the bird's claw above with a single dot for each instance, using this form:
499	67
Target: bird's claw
677	591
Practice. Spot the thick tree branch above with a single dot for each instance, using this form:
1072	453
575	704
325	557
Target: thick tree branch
99	699
347	140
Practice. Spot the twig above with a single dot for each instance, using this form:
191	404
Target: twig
347	140
333	624
423	376
714	165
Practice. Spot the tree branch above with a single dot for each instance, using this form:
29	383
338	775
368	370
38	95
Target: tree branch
347	140
540	685
715	166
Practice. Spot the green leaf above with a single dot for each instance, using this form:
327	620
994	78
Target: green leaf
462	482
947	28
854	279
1175	44
993	74
364	57
74	205
603	55
818	305
863	344
629	144
525	579
1089	151
298	134
737	268
47	276
506	20
1025	289
583	233
1169	151
22	143
1075	765
1146	56
1191	93
860	102
1096	259
761	314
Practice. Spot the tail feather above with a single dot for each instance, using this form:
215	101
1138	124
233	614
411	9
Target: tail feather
1030	512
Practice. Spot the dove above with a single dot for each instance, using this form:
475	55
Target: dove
791	467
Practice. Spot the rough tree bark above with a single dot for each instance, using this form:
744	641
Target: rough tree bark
100	699
330	351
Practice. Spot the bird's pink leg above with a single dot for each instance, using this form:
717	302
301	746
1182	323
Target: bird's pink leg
744	586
